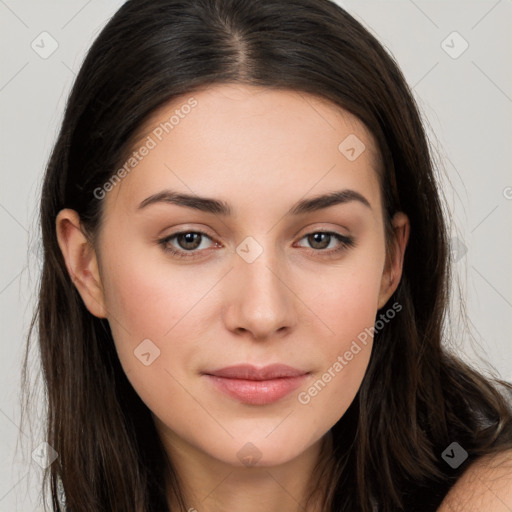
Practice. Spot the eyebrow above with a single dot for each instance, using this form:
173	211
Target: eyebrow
218	207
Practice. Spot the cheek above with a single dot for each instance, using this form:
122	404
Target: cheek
345	357
154	330
347	304
148	298
346	298
153	310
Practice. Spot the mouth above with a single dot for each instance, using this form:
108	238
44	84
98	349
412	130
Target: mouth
257	386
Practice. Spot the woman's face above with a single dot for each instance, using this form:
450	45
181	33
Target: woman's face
256	283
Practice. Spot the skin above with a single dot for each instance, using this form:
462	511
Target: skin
485	485
261	151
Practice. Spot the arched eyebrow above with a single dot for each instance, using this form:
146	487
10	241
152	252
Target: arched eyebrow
219	207
320	202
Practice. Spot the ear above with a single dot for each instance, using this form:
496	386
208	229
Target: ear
395	258
81	261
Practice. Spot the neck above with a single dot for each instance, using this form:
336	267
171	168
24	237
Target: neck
210	485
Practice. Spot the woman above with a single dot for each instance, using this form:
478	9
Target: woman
246	276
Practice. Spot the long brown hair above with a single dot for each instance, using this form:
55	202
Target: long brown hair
415	398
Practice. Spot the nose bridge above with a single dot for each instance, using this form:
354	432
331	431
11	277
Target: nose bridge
262	303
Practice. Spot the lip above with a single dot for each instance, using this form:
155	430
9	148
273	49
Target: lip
257	386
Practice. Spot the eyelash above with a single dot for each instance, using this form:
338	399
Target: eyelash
345	243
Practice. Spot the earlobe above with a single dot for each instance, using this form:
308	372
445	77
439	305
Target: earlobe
394	261
81	261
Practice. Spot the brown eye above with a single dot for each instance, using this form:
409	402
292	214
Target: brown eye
189	241
185	243
319	242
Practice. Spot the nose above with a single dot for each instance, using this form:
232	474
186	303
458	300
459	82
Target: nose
260	300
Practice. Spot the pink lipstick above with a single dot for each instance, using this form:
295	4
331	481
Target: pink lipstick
257	386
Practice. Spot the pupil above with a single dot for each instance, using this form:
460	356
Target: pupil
317	240
190	238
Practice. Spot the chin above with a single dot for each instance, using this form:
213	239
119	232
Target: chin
260	451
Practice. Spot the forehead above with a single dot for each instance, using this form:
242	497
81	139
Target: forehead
247	141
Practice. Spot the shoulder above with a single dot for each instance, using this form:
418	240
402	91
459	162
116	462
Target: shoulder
485	485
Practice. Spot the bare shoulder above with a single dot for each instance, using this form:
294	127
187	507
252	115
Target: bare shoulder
485	485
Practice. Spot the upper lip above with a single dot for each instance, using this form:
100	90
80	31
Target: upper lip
250	372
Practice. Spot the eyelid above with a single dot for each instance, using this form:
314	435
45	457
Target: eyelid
325	227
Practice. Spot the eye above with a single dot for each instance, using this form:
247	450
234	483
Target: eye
321	240
188	243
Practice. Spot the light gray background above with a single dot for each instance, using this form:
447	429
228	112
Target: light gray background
466	102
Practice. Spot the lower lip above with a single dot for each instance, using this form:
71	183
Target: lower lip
257	392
